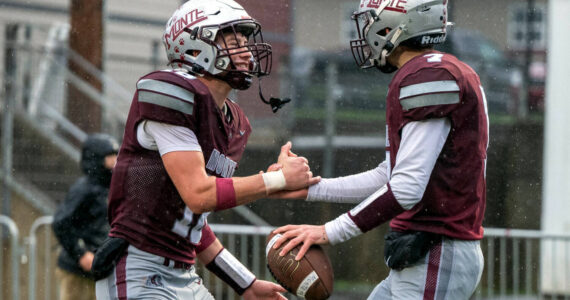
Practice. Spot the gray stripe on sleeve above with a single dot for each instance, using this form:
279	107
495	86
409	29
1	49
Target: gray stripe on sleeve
429	88
166	101
166	88
429	100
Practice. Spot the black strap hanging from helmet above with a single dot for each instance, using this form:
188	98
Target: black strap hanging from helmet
276	103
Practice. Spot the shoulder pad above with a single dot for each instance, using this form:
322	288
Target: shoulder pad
166	94
431	93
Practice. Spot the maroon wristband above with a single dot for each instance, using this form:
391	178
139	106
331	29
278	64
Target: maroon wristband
225	194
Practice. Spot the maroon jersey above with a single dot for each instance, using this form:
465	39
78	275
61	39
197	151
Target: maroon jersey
438	85
145	208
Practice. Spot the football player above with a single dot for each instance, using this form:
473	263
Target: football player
432	183
182	143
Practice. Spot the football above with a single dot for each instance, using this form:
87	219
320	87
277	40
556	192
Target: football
310	278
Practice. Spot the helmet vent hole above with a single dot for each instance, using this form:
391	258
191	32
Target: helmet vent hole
383	31
193	53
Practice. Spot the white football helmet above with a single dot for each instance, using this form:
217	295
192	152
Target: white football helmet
190	41
383	25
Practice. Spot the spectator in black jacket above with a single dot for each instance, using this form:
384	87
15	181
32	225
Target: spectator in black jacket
80	223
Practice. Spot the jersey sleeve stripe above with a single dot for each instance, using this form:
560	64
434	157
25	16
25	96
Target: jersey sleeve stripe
376	209
166	101
429	100
166	88
431	87
369	200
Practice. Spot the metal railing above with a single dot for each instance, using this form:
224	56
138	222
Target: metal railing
33	255
14	257
515	265
247	244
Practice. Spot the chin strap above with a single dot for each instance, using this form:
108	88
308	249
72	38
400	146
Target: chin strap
389	46
276	103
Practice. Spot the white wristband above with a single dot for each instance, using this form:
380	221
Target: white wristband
274	181
234	269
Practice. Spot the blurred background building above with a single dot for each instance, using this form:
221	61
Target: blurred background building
70	68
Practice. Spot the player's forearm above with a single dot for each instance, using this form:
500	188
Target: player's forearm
226	267
249	189
349	189
223	193
206	256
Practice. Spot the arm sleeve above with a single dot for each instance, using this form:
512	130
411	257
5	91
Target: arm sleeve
66	225
421	145
349	189
166	138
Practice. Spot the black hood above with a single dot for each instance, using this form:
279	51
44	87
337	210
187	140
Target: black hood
93	153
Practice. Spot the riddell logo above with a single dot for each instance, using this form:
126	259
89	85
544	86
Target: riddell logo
433	39
191	18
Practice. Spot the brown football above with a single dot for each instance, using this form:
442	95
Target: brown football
310	278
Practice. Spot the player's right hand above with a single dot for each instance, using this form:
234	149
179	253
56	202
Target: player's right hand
296	169
294	235
262	289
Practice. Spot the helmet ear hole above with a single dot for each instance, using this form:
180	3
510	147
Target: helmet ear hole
193	52
384	31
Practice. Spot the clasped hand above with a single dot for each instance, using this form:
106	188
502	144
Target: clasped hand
295	168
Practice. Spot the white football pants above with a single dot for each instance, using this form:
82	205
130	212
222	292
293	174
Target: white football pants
141	275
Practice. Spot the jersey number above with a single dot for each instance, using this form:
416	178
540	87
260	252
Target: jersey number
190	226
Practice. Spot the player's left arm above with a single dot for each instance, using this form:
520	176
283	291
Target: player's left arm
225	266
347	189
422	142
